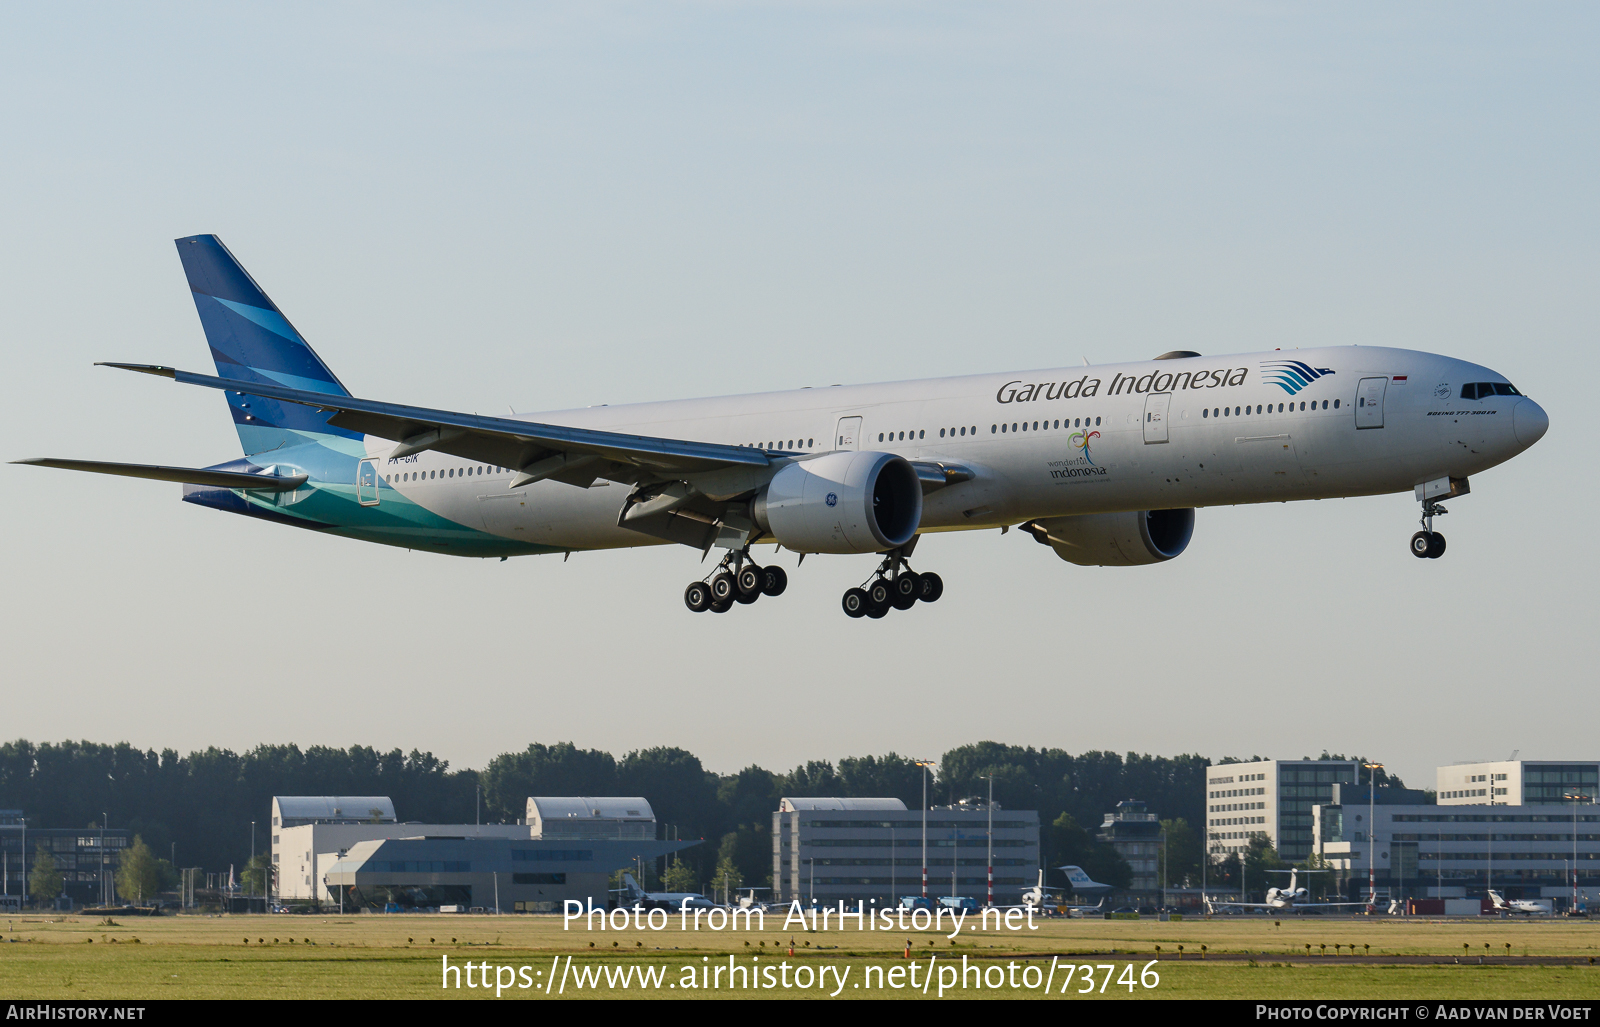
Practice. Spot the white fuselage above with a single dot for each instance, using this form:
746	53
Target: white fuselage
1162	434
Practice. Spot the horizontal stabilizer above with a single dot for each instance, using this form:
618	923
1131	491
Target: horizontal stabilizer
186	475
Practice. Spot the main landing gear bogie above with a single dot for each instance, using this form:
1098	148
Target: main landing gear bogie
895	586
736	580
739	580
1428	544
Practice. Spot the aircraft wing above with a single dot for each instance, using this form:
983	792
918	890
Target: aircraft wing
1243	905
1328	905
573	455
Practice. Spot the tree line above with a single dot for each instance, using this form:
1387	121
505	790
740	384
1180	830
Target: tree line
203	802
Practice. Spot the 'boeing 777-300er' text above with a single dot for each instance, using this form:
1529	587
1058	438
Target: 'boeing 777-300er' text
1104	464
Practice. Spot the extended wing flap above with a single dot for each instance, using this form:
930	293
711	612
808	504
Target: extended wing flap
185	475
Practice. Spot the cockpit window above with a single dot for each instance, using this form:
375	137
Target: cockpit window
1483	390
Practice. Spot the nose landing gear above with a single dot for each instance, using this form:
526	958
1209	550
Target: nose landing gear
737	579
1428	544
894	586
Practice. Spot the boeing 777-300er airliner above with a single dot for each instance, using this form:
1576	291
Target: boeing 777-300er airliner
1104	464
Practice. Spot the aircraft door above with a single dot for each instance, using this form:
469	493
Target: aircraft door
1155	416
848	436
1369	402
367	483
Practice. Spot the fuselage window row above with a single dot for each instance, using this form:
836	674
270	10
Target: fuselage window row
778	444
391	479
1071	422
1261	408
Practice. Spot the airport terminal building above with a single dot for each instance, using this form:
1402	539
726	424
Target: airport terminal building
1450	851
833	849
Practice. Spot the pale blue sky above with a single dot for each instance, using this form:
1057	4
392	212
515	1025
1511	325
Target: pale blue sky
470	206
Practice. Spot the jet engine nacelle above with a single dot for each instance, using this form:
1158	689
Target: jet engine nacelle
1116	539
845	502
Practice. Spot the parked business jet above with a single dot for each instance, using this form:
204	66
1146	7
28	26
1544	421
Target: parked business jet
1285	900
1521	907
1037	897
1106	465
630	894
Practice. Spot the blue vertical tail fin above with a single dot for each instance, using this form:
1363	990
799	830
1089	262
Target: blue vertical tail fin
252	341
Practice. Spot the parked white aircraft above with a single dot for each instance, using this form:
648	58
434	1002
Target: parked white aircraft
1521	907
1039	898
631	893
1104	464
1285	900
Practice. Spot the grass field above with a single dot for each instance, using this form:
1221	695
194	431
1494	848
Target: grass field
401	956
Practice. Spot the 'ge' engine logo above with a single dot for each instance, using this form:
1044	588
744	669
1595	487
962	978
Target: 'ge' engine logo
833	499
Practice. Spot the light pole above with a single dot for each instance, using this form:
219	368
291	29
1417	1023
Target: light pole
1488	854
1164	861
924	764
22	823
1372	834
1575	797
990	854
892	896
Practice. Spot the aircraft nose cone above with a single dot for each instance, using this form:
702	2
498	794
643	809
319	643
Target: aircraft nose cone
1529	422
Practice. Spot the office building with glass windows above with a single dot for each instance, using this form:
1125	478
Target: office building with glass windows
1517	782
86	858
1270	799
1453	851
871	850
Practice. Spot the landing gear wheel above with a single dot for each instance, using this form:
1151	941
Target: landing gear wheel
877	612
1421	544
750	579
746	598
697	597
932	587
723	588
1438	547
775	581
722	607
855	603
879	595
906	590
